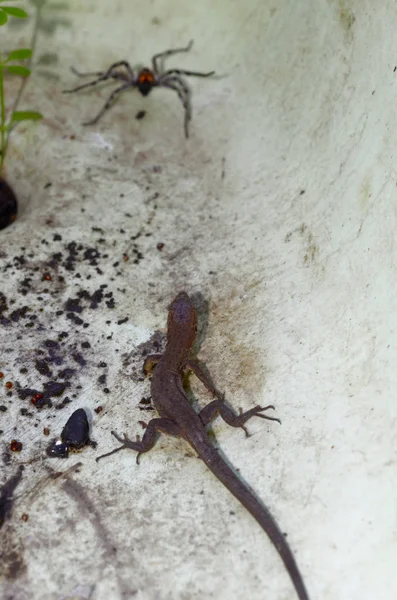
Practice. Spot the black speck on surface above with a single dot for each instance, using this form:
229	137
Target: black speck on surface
77	357
76	320
26	392
20	313
91	254
73	305
25	413
121	321
96	298
42	367
54	388
56	258
43	397
66	374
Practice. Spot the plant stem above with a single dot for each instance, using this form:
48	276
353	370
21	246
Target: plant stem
33	43
3	117
39	10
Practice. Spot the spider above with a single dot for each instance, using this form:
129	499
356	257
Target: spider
145	79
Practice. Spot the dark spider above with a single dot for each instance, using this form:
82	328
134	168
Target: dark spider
144	80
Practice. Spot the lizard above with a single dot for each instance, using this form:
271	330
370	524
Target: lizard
178	418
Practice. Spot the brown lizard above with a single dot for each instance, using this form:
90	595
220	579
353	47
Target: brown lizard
178	418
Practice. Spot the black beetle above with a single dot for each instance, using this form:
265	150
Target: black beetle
75	435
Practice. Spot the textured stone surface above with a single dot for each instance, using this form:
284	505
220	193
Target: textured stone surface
278	216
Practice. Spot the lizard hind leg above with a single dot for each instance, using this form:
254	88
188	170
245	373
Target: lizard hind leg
217	407
149	437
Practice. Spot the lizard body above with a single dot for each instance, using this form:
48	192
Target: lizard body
178	418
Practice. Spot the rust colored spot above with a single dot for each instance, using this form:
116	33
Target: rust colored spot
72	137
15	446
36	398
24	517
47	277
98	409
126	258
1	375
46	431
160	246
146	76
8	384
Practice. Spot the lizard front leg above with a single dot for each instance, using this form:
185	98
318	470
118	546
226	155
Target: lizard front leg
217	407
150	362
204	378
149	437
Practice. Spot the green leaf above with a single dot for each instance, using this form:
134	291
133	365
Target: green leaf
26	115
17	70
13	11
20	54
3	17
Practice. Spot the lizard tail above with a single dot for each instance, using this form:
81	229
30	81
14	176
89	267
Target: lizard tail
236	487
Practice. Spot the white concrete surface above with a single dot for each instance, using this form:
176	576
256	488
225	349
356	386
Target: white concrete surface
280	210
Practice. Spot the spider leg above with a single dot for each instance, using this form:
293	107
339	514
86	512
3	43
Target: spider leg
180	87
165	54
173	72
109	102
90	74
103	75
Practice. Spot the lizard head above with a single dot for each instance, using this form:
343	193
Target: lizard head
182	317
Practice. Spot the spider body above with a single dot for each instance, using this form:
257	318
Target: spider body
144	80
